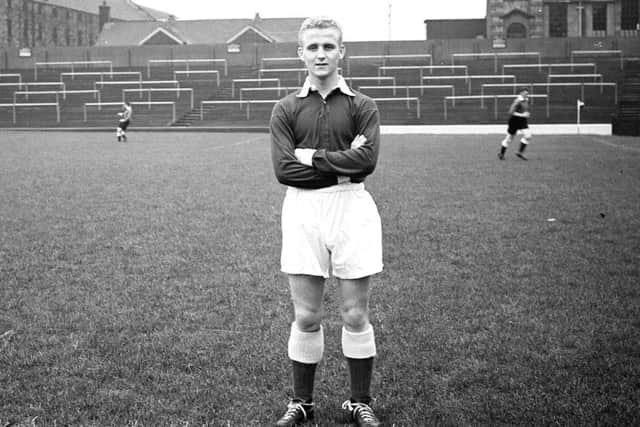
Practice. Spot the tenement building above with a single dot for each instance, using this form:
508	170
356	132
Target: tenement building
50	23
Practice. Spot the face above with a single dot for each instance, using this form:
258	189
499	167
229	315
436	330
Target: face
525	95
321	52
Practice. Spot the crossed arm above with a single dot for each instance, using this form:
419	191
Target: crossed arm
318	168
305	155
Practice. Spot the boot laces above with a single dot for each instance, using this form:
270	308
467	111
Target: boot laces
293	408
359	409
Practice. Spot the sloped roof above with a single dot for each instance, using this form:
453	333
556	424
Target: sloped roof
517	11
253	29
209	31
125	10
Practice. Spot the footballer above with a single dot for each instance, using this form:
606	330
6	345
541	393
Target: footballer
324	143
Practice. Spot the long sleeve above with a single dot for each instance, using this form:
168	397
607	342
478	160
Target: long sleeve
288	170
357	162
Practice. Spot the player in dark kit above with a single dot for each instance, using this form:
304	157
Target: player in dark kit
518	122
125	118
324	143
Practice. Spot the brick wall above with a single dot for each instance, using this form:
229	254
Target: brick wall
28	23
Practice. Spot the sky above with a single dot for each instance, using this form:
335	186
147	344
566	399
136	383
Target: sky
360	19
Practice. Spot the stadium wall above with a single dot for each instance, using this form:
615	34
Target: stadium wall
251	54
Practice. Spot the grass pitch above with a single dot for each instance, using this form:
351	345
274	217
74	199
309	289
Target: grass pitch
140	283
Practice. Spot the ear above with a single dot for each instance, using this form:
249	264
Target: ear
300	53
342	50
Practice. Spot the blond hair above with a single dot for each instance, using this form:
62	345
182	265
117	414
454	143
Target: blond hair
320	22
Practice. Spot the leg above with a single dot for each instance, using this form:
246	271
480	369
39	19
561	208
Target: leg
358	341
359	347
505	144
524	142
305	347
306	342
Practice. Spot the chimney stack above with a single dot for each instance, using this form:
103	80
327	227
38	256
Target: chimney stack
104	14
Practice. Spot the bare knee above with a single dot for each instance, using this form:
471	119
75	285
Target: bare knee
355	317
308	319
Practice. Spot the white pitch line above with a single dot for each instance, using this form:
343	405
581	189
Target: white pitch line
610	144
250	140
235	144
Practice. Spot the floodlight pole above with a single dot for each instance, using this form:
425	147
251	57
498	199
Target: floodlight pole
389	20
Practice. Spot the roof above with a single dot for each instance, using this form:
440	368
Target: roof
125	10
517	11
209	31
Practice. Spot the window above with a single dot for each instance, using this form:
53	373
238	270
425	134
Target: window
558	20
26	25
630	18
54	12
40	32
54	35
25	33
8	4
79	38
516	31
599	17
9	32
67	36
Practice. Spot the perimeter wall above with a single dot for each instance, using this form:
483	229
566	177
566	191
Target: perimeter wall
251	54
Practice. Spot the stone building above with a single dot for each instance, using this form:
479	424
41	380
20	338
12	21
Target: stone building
562	18
51	23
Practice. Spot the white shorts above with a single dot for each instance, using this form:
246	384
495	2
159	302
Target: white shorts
334	230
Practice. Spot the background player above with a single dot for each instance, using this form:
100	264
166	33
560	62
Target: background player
324	142
125	117
518	121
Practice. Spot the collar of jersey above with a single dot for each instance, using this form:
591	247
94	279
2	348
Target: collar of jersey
308	87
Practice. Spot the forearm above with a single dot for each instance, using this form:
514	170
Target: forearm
288	169
360	159
350	162
295	174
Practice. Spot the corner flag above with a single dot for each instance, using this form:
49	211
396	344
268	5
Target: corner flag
580	103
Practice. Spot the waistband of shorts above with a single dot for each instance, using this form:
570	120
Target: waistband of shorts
348	186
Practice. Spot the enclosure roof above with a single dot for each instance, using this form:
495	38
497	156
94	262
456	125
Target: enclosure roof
125	10
210	31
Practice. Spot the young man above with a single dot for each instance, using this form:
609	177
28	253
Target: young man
125	117
518	121
324	142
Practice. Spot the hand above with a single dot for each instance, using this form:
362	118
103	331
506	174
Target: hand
304	155
358	141
526	114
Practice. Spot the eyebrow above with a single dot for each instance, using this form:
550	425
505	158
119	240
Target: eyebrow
328	44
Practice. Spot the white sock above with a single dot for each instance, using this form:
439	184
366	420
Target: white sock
306	347
359	345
